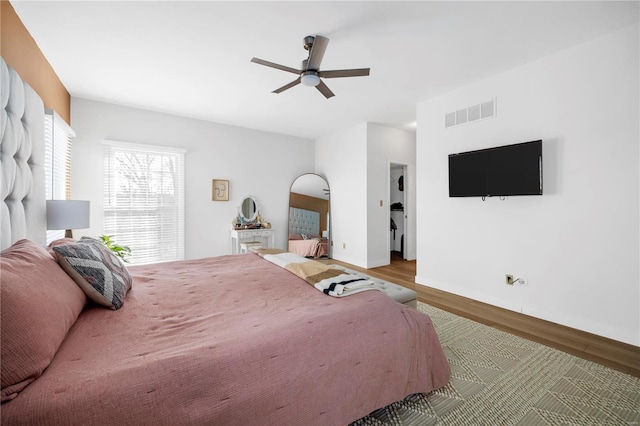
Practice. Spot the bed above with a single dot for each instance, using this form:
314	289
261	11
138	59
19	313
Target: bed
227	340
311	246
304	234
235	340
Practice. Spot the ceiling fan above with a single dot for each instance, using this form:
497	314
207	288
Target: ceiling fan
310	73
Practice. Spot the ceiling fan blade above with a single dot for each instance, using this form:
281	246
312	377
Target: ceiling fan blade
359	72
317	52
322	88
274	65
287	86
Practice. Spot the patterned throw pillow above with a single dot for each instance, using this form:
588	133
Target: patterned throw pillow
98	272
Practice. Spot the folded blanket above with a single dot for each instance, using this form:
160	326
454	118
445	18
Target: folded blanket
328	280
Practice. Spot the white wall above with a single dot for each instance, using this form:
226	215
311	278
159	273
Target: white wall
255	163
356	162
386	145
341	158
578	244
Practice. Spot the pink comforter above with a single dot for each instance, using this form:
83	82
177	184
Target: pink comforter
233	340
314	247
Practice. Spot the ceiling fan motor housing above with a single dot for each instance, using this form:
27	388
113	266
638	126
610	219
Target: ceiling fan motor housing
308	42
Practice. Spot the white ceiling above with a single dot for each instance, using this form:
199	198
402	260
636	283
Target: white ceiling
193	58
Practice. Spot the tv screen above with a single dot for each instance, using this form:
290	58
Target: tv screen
501	171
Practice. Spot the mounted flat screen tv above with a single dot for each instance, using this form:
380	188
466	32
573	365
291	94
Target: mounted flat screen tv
500	171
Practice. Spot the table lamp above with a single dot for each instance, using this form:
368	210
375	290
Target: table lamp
67	215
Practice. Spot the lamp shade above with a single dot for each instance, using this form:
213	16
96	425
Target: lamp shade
67	214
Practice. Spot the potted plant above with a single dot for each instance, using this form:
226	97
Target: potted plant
121	251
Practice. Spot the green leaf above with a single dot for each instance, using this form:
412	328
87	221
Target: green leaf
121	251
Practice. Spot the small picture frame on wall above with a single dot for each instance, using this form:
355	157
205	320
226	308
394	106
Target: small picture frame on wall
219	190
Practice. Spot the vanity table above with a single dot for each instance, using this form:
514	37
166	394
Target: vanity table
250	232
238	236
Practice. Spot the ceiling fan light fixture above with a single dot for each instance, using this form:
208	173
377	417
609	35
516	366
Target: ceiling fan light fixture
310	78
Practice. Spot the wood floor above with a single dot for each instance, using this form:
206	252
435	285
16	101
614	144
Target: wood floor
608	352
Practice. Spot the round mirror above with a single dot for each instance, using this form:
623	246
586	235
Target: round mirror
249	209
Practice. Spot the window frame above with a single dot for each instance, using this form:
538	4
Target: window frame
135	235
57	162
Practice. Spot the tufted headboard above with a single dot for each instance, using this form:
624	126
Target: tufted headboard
303	221
22	180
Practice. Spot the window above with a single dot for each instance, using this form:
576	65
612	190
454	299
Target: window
144	200
57	161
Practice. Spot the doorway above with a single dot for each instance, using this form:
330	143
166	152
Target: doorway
398	211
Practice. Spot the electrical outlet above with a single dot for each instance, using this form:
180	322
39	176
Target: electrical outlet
508	279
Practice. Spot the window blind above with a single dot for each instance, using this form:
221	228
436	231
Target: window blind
57	161
144	200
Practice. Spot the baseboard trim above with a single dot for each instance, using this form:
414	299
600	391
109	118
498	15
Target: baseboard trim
611	353
586	325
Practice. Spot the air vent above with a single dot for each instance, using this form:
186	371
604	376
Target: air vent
450	119
470	114
461	116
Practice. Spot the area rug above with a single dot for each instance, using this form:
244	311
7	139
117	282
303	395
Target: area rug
501	379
